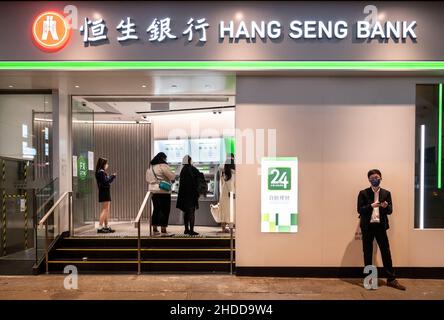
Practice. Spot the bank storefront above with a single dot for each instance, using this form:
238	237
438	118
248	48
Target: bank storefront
309	96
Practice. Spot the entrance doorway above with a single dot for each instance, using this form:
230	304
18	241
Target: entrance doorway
129	131
27	187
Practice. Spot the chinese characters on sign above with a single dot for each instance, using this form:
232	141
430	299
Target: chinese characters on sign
51	30
158	31
279	195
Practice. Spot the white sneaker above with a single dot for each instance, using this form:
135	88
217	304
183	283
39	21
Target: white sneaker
166	234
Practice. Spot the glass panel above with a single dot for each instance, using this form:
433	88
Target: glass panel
44	200
429	195
25	166
83	169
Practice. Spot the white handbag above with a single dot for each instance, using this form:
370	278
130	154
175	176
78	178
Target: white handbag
215	211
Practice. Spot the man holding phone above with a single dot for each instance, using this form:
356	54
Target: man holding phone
374	206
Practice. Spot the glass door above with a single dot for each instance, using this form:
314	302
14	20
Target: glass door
83	180
25	167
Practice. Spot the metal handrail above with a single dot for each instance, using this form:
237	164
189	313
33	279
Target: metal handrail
142	207
231	227
137	225
46	202
44	221
48	214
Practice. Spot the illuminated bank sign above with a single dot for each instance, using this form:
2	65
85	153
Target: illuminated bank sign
279	194
51	30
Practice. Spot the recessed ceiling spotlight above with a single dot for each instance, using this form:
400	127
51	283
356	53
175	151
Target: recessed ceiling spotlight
77	86
143	85
10	86
239	16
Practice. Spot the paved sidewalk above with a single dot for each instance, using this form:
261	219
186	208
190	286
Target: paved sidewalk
219	287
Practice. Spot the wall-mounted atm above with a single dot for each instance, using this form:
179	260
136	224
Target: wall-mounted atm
208	155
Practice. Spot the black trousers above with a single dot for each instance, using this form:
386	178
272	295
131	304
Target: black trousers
161	209
189	218
376	230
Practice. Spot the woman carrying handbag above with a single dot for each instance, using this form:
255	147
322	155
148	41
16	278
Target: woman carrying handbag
159	176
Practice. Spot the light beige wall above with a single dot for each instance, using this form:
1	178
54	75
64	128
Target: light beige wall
339	128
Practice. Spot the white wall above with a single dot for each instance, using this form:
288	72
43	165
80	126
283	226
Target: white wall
339	128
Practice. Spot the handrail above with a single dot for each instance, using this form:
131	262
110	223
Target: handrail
137	225
139	214
44	221
46	202
231	226
48	214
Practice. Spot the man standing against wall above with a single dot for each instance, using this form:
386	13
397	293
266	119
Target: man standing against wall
374	206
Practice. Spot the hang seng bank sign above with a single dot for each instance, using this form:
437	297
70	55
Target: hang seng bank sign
200	31
159	30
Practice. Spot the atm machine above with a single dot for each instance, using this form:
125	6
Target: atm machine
207	156
203	214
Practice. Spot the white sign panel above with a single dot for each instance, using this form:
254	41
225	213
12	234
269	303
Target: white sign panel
91	160
74	166
24	131
279	194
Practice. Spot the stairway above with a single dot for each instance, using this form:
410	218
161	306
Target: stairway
119	255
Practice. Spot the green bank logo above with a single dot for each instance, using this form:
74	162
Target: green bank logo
279	178
82	168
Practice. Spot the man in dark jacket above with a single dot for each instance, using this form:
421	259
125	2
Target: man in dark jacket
188	195
374	207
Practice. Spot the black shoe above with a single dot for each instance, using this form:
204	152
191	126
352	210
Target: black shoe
109	230
102	230
192	233
186	232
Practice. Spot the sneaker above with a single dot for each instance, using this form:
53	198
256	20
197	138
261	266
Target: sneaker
395	284
109	229
166	234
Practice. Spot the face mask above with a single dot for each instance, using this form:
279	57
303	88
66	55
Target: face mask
375	183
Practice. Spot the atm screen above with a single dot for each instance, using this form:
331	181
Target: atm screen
206	150
174	149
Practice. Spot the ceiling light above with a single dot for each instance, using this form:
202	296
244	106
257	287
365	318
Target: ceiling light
143	86
77	86
10	86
